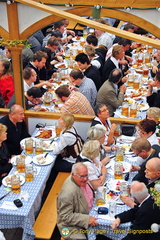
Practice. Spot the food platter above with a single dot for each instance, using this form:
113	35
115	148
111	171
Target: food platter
142	107
42	160
61	65
7	180
48	146
46	134
114	183
28	159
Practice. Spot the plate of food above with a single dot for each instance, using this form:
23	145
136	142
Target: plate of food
7	180
22	142
126	167
48	145
27	159
42	159
61	65
77	38
46	134
142	106
43	109
114	184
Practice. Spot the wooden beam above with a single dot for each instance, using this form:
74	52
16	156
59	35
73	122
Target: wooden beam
119	32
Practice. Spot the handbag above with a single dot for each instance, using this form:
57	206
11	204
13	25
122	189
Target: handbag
128	129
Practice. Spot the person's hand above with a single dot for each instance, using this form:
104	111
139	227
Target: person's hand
134	168
128	58
48	84
122	88
154	69
60	58
102	179
123	62
151	83
72	88
113	127
115	223
72	32
124	80
53	62
128	201
92	221
3	174
114	148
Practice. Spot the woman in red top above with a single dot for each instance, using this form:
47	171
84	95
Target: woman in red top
6	81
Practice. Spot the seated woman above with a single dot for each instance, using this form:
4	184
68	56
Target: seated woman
98	132
68	146
90	156
153	113
6	81
102	115
146	129
5	165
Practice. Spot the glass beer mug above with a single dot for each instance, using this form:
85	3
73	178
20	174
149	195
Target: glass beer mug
120	154
20	163
47	98
125	108
136	83
118	170
133	110
100	196
15	183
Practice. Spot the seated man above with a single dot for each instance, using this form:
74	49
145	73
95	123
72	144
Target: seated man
152	173
16	129
74	202
109	94
84	85
142	148
141	216
74	102
153	98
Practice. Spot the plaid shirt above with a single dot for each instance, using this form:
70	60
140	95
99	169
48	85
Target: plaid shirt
77	103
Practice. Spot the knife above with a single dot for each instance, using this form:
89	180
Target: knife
5	195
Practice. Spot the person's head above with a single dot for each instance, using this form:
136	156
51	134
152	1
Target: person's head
52	43
126	43
139	191
118	52
3	134
76	76
59	26
5	67
158	55
128	27
99	32
57	34
66	22
91	149
97	132
82	60
34	95
66	121
153	113
152	171
141	147
146	128
115	75
8	53
79	174
90	51
29	74
39	59
101	111
16	113
63	92
92	40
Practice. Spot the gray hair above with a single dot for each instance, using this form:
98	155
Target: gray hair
96	132
77	166
14	108
154	111
139	191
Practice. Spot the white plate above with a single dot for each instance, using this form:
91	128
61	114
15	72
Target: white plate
126	166
22	180
61	63
112	183
75	39
125	139
40	160
47	146
53	134
143	108
28	159
22	142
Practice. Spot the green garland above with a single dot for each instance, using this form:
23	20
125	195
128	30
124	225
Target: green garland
13	43
155	193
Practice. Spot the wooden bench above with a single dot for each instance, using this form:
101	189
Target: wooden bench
47	217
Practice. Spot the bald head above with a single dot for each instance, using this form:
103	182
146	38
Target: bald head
16	114
139	191
15	108
152	171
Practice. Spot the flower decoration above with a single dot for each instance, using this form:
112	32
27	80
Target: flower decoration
13	43
155	193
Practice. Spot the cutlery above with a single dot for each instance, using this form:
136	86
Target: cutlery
5	195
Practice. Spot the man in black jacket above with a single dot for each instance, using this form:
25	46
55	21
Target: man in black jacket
142	215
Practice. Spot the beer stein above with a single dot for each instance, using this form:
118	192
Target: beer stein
118	170
15	183
85	32
67	53
146	57
117	132
57	79
20	163
150	48
38	147
120	154
130	80
140	59
58	130
124	191
47	97
125	108
145	71
91	31
136	83
29	146
30	172
112	209
100	196
133	110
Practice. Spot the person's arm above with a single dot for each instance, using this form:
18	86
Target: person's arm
115	224
111	139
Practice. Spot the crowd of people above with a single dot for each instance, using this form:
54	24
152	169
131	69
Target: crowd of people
97	89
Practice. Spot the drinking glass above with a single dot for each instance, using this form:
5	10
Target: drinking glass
38	147
15	183
118	170
20	163
29	146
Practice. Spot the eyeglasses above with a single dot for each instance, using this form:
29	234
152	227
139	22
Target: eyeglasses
142	133
137	154
82	176
104	110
